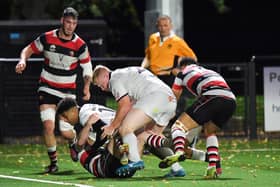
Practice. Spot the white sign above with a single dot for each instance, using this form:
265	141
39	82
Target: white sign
271	98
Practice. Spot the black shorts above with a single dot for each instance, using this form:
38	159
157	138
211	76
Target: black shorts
46	98
212	108
104	166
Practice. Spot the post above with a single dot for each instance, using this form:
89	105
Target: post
252	114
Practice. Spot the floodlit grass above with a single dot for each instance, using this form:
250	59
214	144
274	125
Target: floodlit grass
240	109
245	163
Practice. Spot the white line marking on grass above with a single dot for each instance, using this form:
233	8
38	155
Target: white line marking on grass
43	181
253	150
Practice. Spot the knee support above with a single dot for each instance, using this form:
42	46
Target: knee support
185	123
48	114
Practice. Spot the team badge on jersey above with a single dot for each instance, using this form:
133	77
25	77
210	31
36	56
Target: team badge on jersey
71	53
52	48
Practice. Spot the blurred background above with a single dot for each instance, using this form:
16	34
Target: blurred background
224	34
217	30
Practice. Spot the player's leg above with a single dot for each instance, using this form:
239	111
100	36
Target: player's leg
134	120
212	147
221	109
68	132
179	131
48	119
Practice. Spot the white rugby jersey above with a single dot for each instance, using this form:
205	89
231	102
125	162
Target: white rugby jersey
105	114
201	81
62	58
136	82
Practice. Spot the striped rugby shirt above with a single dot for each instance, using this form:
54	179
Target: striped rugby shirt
62	58
201	81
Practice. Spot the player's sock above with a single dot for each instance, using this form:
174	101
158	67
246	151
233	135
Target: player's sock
212	150
156	141
198	155
52	155
178	139
176	167
131	140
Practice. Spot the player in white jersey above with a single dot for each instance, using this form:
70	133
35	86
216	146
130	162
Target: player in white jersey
92	117
99	156
144	101
215	104
80	116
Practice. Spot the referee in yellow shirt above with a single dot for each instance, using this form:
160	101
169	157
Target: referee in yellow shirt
164	49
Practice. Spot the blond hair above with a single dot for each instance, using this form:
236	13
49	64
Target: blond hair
99	69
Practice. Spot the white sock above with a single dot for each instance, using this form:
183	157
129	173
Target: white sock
51	149
176	166
198	155
133	153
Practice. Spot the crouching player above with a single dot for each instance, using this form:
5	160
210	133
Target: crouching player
214	106
99	156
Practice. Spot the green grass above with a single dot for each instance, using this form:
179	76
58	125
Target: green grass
245	163
240	109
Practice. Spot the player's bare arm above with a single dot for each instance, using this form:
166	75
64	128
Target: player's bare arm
124	105
86	90
25	54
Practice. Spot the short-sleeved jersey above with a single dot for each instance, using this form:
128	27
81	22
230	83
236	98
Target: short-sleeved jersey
105	114
136	82
201	81
62	58
161	54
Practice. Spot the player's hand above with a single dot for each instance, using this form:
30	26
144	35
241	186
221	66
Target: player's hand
108	131
93	118
20	67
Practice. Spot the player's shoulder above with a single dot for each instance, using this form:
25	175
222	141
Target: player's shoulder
77	39
50	33
154	36
177	38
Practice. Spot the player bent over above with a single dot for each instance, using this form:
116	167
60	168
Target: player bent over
69	114
99	156
214	106
143	99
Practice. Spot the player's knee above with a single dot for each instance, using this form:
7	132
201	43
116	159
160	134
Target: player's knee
187	122
210	128
47	115
48	128
124	130
177	131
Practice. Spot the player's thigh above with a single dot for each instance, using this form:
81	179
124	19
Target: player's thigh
161	107
134	120
203	109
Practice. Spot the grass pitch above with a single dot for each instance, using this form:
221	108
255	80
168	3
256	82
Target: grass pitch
245	163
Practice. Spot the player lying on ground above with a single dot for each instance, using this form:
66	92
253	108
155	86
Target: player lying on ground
214	106
99	156
70	114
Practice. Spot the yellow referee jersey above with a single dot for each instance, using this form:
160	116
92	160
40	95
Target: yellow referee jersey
161	54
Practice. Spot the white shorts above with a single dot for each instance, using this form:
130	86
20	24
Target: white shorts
161	107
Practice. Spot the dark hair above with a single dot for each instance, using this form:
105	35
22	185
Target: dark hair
65	104
187	61
69	11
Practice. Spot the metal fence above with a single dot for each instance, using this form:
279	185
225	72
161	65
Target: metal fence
19	107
